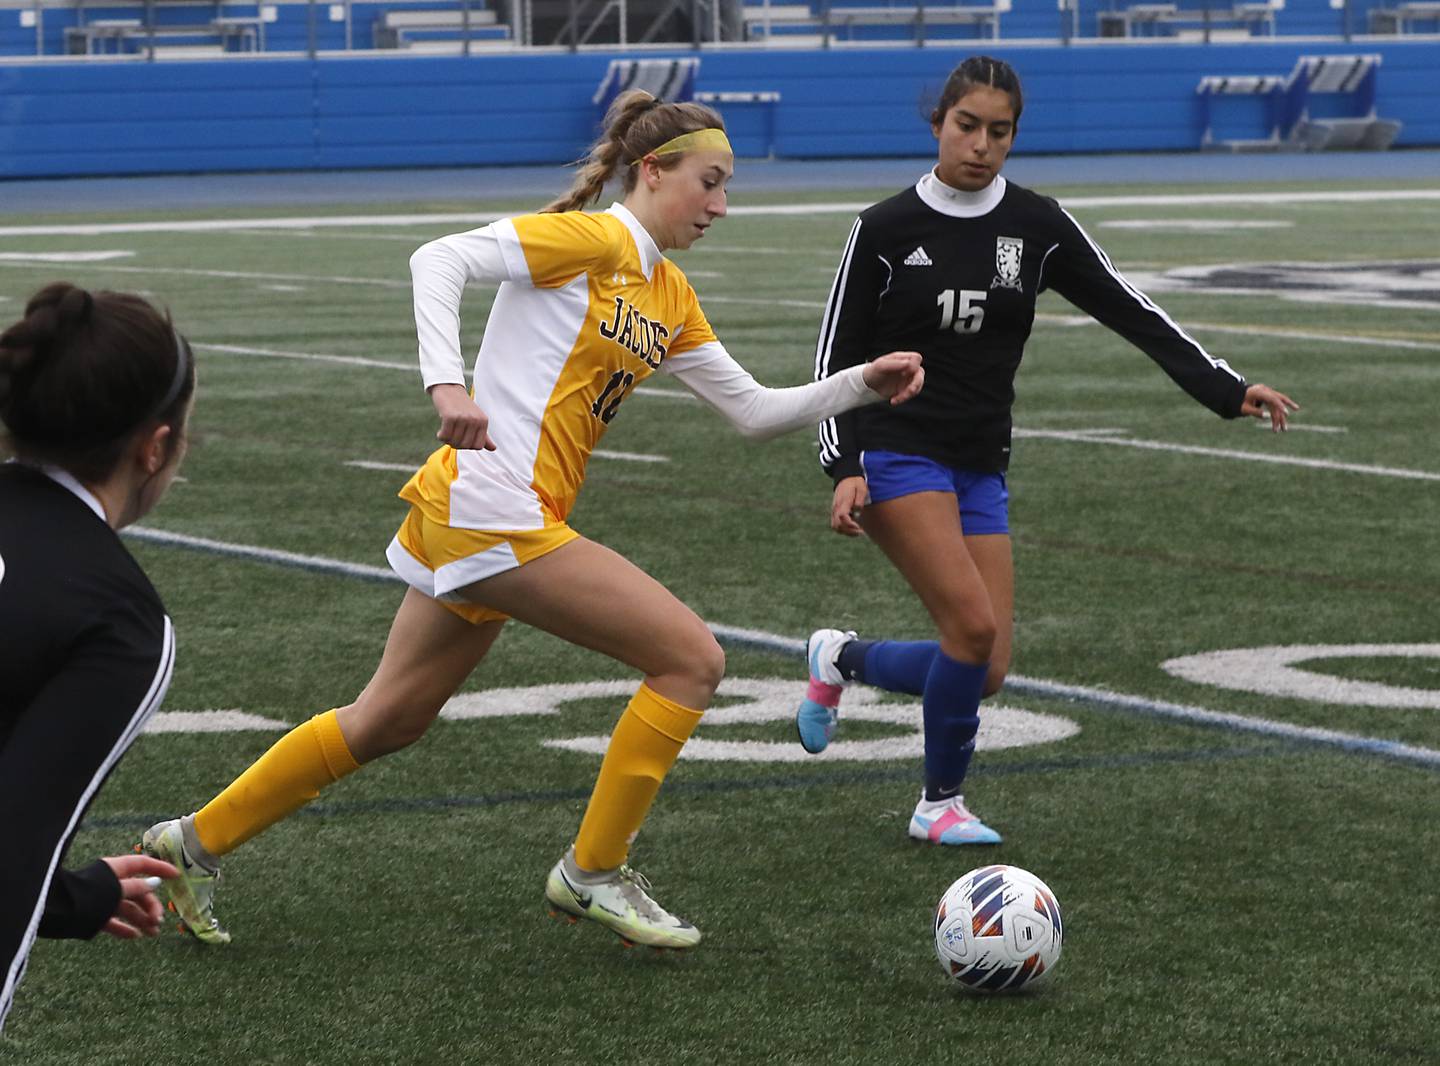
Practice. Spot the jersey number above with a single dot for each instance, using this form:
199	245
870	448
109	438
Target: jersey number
966	316
604	407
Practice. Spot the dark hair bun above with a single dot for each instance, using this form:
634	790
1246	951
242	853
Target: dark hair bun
82	370
75	306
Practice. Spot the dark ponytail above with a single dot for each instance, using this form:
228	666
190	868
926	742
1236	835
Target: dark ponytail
81	372
979	71
636	124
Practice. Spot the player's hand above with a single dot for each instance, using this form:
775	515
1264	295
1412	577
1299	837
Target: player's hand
897	376
139	913
851	494
1261	401
462	424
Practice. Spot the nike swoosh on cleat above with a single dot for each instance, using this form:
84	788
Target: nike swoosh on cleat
582	899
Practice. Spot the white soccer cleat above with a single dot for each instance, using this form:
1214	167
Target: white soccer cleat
192	894
823	649
620	901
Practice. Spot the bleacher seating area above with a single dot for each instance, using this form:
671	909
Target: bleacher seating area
188	28
185	28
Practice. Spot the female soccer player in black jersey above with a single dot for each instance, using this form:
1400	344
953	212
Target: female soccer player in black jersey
951	268
94	396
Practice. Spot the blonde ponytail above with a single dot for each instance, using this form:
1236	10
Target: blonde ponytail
635	124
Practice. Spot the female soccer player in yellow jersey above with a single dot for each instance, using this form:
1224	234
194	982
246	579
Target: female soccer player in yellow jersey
587	307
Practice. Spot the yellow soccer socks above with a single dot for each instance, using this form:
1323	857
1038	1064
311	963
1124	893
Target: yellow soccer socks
644	746
288	776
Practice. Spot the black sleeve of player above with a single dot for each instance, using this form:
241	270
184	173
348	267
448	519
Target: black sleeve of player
64	743
1079	270
845	340
76	898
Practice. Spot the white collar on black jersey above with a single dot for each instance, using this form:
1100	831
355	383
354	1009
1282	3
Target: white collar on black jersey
67	480
958	203
649	250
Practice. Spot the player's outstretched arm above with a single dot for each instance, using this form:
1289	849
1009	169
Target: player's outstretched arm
759	412
1261	401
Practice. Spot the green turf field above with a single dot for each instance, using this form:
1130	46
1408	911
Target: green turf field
1230	897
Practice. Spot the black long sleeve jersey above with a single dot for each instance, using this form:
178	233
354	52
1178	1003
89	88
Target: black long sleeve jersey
955	276
86	652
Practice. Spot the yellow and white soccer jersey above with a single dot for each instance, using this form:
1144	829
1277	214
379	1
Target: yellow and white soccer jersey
587	308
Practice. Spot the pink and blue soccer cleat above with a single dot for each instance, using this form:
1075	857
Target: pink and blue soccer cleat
819	712
949	821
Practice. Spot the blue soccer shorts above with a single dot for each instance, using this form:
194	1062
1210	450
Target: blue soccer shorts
982	497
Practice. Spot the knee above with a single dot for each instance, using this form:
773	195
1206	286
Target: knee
372	729
692	667
995	679
708	663
970	636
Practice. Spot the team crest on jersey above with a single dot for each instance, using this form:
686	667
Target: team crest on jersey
1008	253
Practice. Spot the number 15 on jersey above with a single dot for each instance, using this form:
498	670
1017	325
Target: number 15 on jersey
965	314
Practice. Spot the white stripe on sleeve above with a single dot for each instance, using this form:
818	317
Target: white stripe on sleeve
1149	304
148	705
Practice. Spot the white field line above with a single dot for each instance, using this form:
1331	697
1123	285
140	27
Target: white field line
480	218
1227	453
413	239
64	257
796	648
629	457
1286	333
313	357
1200	225
598	453
1303	427
808	305
370	464
735	249
221	225
265	555
236	275
382	364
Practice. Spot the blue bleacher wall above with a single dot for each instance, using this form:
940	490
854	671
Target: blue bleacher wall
98	117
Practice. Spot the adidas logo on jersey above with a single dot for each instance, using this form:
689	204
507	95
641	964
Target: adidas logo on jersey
918	258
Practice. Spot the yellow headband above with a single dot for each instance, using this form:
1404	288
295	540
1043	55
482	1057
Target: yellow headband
686	142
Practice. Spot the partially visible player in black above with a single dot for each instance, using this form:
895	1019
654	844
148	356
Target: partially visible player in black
951	268
95	394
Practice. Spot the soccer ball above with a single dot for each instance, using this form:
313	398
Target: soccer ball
998	929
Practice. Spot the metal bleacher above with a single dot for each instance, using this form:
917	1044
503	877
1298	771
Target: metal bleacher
183	28
444	31
849	20
1324	103
216	28
1189	20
